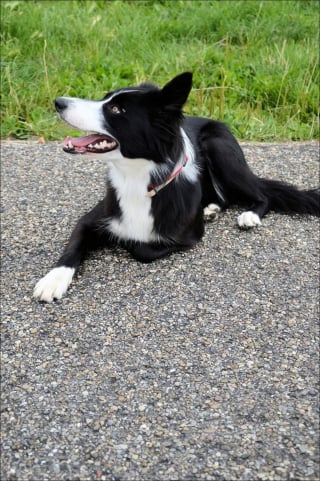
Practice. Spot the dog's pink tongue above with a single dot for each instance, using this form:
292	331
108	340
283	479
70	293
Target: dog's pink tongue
81	141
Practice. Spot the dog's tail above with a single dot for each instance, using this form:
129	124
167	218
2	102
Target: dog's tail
288	199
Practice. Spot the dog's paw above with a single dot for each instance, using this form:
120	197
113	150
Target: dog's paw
248	219
212	210
54	285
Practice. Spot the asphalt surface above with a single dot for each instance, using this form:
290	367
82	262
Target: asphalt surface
200	366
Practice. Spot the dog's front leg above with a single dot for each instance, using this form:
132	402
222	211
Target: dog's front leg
84	238
146	253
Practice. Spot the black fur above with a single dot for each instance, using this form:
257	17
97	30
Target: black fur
146	122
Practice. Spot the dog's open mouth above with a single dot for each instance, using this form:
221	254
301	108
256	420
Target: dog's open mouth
94	143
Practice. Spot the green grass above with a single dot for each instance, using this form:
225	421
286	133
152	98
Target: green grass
255	63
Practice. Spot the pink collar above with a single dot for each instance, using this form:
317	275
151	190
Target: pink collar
153	190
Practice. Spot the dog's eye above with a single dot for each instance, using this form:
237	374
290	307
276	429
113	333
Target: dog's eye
115	109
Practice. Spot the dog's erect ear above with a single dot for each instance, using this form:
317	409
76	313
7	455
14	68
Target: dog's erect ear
175	92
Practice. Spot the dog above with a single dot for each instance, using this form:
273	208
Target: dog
166	172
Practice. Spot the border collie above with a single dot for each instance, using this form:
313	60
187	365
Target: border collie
165	173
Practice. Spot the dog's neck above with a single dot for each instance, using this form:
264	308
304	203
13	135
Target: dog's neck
154	189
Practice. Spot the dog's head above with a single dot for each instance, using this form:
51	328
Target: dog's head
138	122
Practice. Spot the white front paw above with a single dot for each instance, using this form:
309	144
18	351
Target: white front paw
54	285
248	219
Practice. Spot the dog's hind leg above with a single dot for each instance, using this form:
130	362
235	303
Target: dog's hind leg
85	237
211	211
253	216
147	253
228	177
248	219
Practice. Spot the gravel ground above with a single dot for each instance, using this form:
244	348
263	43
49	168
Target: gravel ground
201	366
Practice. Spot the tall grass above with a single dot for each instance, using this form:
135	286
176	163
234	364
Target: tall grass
255	63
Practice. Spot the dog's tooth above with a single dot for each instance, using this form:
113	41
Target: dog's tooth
102	145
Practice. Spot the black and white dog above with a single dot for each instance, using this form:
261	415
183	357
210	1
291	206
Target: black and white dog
165	171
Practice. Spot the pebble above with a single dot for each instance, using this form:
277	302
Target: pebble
200	366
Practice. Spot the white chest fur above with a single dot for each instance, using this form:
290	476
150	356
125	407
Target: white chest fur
130	178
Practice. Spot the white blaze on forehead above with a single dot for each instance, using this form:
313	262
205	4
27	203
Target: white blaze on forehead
119	92
87	114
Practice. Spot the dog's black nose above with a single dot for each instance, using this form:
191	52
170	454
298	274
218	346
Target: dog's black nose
60	104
